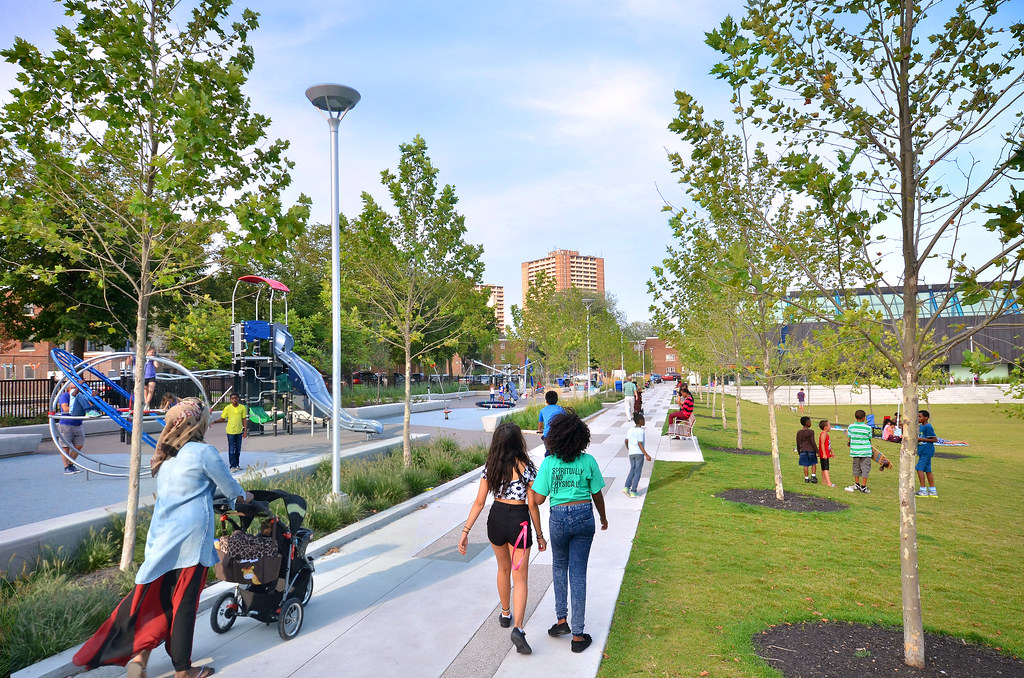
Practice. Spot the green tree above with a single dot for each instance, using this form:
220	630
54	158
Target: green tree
898	111
412	269
138	129
199	337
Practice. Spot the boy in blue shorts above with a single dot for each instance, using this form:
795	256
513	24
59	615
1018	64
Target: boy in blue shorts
925	451
808	450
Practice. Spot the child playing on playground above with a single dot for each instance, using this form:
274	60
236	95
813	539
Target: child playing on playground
808	450
637	454
859	439
925	451
825	450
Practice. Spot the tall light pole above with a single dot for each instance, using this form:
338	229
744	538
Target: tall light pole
334	101
588	303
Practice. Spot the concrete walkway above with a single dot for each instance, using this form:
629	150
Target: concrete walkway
403	602
821	396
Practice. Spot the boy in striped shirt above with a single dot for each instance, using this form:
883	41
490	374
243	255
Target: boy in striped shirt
859	439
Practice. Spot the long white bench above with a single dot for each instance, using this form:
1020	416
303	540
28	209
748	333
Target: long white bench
13	444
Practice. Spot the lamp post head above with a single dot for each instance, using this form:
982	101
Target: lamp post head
333	100
588	303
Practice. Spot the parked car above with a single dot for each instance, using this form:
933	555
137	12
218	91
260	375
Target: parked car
655	377
670	376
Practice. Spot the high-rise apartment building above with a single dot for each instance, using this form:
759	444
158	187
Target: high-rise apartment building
568	269
497	302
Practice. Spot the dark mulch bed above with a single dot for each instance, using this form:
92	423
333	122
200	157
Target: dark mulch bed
801	503
950	455
737	450
843	649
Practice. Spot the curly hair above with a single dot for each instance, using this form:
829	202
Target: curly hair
568	436
506	454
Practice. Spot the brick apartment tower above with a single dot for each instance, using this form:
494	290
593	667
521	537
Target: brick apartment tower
497	302
568	269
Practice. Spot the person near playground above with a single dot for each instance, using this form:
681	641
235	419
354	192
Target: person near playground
162	607
825	450
236	416
685	411
807	450
573	481
492	391
891	429
800	398
629	393
926	440
635	439
148	375
508	475
72	437
546	414
168	401
858	437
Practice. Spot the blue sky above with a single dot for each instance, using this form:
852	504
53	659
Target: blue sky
549	118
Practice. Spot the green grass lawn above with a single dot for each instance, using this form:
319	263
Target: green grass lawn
705	575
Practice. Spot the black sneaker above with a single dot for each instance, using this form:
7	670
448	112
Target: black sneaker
806	479
814	479
503	621
560	629
581	645
519	640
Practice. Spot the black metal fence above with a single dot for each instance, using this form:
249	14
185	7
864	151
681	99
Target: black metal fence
29	398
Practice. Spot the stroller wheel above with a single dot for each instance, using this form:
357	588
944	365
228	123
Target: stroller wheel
309	592
290	621
224	612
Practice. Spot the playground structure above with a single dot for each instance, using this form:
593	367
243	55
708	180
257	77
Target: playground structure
266	368
500	402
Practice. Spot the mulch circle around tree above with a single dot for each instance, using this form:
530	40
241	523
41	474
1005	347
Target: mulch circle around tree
737	450
801	503
842	649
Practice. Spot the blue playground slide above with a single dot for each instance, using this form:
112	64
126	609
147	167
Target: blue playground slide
313	385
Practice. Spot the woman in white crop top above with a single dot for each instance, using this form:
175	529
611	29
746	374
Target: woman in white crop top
508	475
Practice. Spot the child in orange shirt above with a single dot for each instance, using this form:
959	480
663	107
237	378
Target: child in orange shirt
825	450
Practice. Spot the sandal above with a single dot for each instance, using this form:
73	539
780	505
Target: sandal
204	672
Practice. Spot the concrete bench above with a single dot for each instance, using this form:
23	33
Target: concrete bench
13	444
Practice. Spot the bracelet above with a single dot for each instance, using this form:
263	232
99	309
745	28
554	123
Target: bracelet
465	529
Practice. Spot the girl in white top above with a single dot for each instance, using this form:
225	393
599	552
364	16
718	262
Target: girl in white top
635	446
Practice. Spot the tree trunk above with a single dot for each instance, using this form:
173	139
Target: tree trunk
407	411
739	417
714	397
135	459
835	403
773	433
871	405
725	424
913	625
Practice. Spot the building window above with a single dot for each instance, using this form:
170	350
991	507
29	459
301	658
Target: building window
7	371
670	357
30	310
503	346
502	357
30	372
28	346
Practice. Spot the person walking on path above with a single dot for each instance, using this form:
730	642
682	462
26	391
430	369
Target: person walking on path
807	450
572	478
629	393
162	607
800	397
546	414
72	437
637	453
859	439
926	440
236	416
508	475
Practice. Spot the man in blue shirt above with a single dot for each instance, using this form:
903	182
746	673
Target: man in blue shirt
925	451
547	413
72	439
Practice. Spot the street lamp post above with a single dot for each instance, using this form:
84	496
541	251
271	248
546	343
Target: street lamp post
588	303
334	101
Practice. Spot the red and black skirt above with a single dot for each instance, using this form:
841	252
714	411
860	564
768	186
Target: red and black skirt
163	610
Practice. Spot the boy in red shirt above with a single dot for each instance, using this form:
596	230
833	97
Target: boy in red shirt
825	450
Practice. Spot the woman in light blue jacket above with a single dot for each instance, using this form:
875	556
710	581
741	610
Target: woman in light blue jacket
162	607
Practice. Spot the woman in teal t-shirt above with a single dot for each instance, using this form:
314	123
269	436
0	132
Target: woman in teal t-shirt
573	481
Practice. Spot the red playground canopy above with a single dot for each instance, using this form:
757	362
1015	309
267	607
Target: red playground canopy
274	284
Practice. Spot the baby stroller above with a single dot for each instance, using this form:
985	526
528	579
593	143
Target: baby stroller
273	572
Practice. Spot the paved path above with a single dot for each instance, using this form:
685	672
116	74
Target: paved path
403	602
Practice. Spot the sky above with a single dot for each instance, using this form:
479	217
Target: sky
549	118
